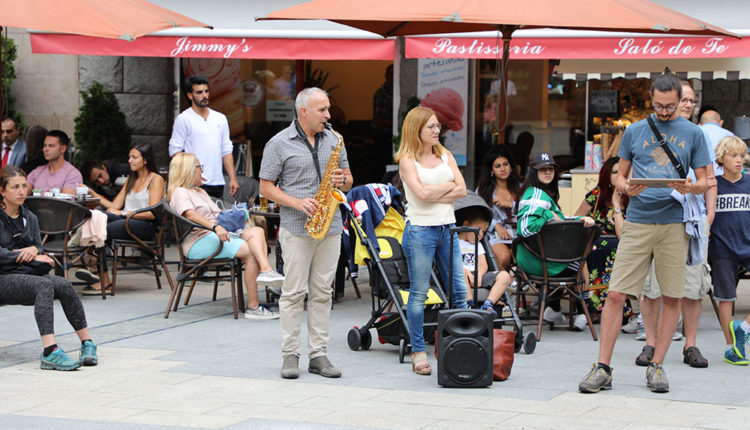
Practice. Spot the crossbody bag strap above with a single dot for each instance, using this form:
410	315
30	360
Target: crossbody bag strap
665	147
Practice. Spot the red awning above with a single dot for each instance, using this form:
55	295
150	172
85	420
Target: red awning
216	47
640	47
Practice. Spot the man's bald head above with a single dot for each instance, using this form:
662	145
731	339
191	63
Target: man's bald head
711	116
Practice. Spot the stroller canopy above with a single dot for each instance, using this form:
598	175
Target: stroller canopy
472	199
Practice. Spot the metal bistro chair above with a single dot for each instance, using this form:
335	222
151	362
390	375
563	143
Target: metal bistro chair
190	269
557	242
152	249
58	216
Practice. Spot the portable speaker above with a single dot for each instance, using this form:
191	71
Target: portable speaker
464	348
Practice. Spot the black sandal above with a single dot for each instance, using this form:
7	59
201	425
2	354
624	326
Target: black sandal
645	357
694	358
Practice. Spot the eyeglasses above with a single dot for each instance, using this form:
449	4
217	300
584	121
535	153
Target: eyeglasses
8	131
435	126
200	166
691	101
670	108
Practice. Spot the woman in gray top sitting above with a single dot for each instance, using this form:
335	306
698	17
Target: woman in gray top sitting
144	187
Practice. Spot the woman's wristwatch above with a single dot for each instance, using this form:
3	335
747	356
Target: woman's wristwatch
618	211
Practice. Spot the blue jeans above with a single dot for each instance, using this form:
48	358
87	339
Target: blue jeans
423	245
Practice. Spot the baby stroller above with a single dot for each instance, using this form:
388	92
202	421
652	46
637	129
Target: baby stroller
372	209
480	289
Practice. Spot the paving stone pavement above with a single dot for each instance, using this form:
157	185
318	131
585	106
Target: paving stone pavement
202	369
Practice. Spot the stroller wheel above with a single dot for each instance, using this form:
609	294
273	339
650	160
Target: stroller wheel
529	343
366	338
401	350
354	338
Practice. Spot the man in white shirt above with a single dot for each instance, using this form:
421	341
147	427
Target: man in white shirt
205	132
14	149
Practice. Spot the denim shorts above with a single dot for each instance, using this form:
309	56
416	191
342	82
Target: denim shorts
208	244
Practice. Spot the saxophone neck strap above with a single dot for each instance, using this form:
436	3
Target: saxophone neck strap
313	149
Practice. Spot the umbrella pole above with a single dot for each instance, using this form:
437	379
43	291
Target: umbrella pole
502	103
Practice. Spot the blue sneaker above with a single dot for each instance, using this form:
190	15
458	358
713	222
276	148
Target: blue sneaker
88	354
487	306
59	360
731	357
739	338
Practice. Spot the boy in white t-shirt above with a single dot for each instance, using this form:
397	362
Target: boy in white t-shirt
475	217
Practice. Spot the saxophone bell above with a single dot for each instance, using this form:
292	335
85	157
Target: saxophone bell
327	196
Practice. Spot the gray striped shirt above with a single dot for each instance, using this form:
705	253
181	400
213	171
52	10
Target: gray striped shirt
288	161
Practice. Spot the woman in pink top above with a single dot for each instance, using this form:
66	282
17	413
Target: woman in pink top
186	196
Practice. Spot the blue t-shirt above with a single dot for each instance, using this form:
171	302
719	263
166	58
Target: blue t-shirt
641	148
730	235
713	133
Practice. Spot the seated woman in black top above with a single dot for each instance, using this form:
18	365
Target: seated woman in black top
25	278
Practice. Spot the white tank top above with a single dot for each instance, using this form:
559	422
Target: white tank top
420	212
139	200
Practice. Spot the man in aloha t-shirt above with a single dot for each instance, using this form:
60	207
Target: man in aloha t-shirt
654	227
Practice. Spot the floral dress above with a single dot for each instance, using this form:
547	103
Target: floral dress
507	218
602	257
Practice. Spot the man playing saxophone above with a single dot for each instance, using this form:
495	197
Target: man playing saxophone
296	159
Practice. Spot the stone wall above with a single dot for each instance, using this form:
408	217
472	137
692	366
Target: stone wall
144	89
46	86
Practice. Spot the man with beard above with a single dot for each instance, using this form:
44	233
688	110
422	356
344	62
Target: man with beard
205	132
654	227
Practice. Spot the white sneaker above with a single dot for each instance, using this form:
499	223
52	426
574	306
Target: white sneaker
554	317
270	277
512	287
262	312
678	330
632	325
506	313
640	332
580	322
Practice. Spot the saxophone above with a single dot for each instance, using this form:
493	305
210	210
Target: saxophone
327	196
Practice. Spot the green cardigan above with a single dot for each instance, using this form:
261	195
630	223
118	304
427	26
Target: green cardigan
536	208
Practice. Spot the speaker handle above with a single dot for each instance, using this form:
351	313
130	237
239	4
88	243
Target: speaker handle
457	230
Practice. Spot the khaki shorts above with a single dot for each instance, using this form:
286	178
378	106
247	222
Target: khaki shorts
697	278
666	244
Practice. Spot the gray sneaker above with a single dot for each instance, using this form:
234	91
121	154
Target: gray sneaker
323	367
597	379
262	312
270	277
290	367
656	378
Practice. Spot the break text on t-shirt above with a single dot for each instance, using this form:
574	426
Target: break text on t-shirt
732	202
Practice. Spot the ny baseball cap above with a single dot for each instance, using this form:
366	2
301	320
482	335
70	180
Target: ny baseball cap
541	159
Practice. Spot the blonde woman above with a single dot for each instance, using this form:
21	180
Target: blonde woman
187	198
432	183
